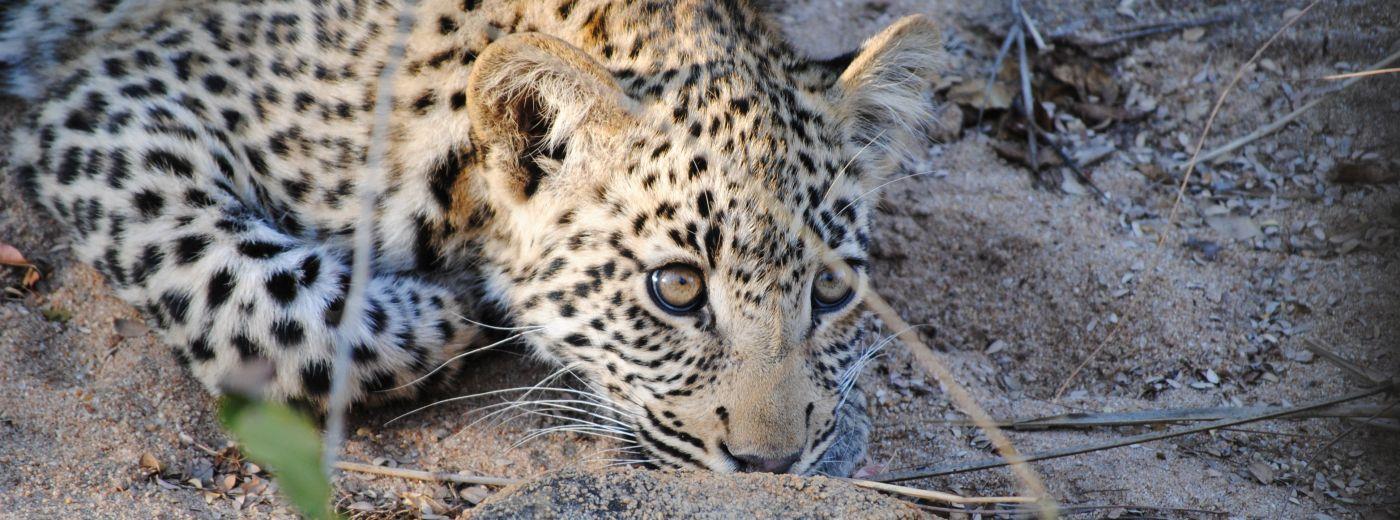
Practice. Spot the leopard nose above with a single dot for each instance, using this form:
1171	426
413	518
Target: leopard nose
760	464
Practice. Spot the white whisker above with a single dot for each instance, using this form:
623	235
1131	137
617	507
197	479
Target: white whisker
877	188
848	165
454	358
492	327
526	389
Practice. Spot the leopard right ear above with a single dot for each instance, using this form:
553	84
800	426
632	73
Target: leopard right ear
880	98
531	99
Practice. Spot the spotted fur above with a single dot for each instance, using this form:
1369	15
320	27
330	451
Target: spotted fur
543	158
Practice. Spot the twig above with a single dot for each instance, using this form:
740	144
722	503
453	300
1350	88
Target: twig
431	476
1027	100
1030	27
996	71
1151	417
1343	435
368	192
1341	362
1362	74
1383	424
1181	189
940	496
1069	161
1282	122
954	468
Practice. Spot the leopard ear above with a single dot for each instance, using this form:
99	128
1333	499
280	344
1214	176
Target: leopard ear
532	97
881	97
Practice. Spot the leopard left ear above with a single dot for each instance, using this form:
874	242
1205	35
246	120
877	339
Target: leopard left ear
532	97
880	98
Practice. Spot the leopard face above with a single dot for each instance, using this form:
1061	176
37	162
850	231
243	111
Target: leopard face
699	258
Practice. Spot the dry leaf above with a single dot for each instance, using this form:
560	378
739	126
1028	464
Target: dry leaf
975	94
1088	78
475	494
1193	34
9	255
149	464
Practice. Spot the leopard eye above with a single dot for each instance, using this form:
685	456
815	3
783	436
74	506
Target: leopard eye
677	288
833	288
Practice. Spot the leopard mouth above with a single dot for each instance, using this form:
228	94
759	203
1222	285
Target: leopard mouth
836	452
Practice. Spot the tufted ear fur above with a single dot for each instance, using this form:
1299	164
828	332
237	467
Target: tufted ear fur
530	98
880	98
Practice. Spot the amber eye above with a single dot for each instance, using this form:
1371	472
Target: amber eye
833	287
677	288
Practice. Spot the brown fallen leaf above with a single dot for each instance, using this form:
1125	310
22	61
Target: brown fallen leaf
474	494
10	255
1364	172
974	93
1089	78
149	464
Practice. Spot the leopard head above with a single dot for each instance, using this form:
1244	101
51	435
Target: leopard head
694	244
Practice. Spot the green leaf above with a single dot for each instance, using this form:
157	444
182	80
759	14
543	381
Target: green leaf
277	437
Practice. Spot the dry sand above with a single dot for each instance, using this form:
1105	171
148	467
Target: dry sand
1018	285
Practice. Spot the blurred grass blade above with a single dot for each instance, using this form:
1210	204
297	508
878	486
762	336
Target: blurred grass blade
278	437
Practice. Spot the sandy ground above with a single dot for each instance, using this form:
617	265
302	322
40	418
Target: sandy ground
1018	287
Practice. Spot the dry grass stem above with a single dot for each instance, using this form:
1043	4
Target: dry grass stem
431	476
954	468
939	496
1153	417
367	193
1342	363
1362	74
